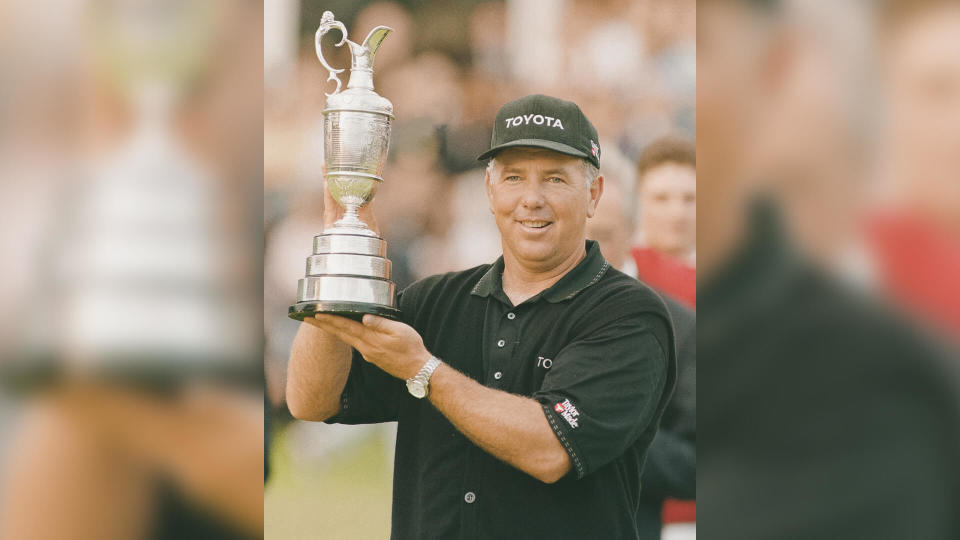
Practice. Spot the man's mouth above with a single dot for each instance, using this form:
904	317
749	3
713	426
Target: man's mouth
534	224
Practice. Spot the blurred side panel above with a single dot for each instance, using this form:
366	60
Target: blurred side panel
131	288
829	384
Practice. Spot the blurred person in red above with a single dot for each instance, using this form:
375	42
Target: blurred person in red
667	218
670	473
823	414
915	231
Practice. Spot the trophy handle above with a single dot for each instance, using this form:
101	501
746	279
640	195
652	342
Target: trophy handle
327	23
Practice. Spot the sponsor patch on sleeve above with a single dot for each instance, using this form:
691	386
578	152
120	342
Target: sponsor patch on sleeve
568	411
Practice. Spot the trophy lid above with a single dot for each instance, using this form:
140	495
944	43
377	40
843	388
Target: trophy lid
359	95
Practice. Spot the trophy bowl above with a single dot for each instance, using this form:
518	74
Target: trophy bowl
355	151
352	190
356	141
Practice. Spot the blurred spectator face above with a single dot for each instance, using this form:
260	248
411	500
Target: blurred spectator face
923	69
610	226
730	45
668	208
810	147
541	201
726	66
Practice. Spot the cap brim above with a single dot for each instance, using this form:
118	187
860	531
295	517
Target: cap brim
535	143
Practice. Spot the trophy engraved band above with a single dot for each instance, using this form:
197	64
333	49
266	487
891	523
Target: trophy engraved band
348	273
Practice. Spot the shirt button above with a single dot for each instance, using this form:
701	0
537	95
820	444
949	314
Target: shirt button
511	315
498	375
501	343
470	497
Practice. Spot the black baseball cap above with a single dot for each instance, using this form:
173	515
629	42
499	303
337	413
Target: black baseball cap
545	122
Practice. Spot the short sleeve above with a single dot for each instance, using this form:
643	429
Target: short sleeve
606	388
370	396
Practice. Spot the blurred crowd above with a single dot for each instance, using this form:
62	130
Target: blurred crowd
447	67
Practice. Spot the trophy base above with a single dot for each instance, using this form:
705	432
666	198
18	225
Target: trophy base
350	310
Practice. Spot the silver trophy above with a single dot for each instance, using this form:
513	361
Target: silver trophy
348	273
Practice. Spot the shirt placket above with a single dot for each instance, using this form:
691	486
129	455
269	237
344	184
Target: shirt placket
501	335
469	494
506	338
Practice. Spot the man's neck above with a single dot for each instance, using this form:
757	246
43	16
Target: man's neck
521	283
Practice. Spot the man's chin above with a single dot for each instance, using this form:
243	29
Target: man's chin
536	252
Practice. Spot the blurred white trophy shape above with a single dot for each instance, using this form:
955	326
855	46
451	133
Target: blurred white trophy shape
139	282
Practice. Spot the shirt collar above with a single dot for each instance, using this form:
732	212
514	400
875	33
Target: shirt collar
584	274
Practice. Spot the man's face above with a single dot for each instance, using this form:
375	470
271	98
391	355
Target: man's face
541	202
668	208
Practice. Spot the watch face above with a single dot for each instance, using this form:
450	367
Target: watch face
417	388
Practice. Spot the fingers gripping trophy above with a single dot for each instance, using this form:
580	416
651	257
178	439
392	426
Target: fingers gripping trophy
348	273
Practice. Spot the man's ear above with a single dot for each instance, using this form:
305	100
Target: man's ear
596	190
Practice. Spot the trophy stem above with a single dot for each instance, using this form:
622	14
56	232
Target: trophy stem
351	221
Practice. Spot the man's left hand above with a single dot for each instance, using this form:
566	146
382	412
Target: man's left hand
392	346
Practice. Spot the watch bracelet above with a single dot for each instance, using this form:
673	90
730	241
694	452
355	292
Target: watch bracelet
426	372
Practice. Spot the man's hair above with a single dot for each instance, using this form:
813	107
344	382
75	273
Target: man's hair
666	150
590	172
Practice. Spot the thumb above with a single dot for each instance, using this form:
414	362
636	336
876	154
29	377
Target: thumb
378	324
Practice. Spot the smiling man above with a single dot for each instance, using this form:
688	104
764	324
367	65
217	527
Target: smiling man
526	391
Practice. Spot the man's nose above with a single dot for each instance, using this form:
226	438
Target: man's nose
532	195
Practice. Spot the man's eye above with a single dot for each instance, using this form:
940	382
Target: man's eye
555	180
512	179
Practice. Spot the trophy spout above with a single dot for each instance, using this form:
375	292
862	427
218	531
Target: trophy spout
362	56
374	39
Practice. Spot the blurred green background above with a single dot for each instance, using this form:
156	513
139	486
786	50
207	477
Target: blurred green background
319	498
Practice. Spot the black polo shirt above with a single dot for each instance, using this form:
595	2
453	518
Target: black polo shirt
596	350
